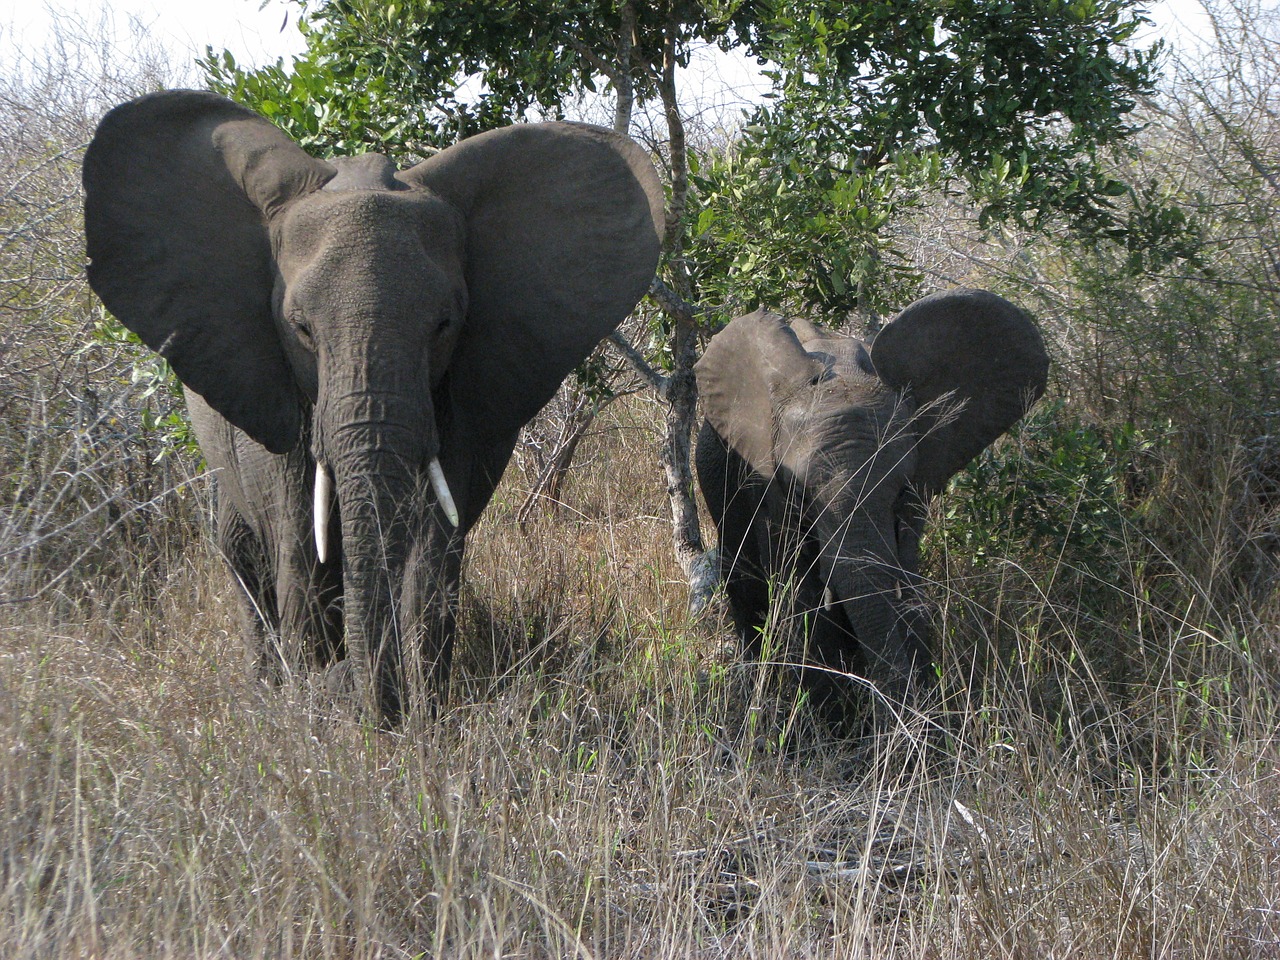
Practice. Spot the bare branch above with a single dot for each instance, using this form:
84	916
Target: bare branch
672	303
641	366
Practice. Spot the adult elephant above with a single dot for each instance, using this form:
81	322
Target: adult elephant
360	345
819	455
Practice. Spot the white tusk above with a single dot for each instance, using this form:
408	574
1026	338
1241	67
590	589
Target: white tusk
441	489
828	599
321	506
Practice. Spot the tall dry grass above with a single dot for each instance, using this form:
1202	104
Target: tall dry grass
609	781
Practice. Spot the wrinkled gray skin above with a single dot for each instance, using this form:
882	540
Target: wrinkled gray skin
817	459
368	319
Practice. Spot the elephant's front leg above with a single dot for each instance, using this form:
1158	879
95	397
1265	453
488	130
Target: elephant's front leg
309	592
910	513
255	582
427	615
734	494
827	650
309	605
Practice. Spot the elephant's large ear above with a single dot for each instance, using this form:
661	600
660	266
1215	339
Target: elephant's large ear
178	190
975	364
752	360
564	228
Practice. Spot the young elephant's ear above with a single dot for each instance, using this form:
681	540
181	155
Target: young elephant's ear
178	190
975	364
563	231
752	361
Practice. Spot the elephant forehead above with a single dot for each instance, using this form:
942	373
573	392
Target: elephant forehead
371	171
842	356
854	396
848	422
348	223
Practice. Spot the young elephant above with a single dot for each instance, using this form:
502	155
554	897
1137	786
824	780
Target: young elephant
360	345
820	453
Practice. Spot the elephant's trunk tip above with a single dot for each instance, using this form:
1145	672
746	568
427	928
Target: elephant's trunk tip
322	505
441	488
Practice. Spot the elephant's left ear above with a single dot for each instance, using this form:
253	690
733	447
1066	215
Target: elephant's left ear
564	227
975	364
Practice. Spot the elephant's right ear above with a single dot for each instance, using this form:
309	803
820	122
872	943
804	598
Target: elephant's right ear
745	366
179	187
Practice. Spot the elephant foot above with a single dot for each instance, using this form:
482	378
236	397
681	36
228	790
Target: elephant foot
339	683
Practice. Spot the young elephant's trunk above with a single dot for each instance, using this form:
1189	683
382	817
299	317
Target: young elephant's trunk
862	572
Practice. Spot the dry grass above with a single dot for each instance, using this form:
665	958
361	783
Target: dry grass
609	783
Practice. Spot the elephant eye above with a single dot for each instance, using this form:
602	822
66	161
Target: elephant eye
443	323
304	334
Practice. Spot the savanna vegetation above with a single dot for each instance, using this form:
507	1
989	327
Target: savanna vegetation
1101	776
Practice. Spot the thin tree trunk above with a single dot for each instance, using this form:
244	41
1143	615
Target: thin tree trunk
679	165
682	387
625	81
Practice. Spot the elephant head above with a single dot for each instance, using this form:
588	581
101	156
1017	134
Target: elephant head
397	326
839	445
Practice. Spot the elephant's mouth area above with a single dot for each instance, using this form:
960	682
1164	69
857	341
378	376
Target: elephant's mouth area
842	588
405	502
835	602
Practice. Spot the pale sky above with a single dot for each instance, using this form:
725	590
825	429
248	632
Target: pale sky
257	32
254	36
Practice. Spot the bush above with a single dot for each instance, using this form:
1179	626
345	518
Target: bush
1057	486
85	473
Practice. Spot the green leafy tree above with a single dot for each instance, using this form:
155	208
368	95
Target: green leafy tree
1022	106
1017	100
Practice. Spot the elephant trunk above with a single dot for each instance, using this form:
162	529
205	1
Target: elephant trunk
865	582
372	492
394	548
322	501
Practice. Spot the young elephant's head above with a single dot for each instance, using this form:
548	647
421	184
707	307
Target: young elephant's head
854	440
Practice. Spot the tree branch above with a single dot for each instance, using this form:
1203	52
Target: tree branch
633	356
595	61
672	304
